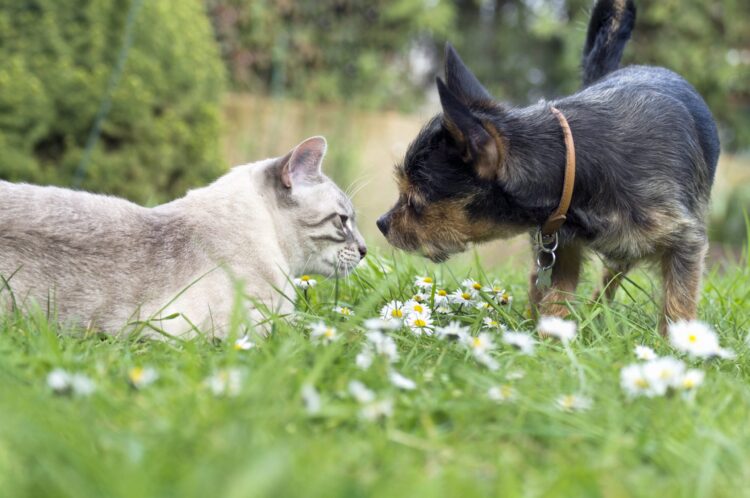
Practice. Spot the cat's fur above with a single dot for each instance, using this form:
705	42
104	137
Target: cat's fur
104	262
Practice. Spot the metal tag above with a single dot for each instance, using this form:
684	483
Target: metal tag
544	278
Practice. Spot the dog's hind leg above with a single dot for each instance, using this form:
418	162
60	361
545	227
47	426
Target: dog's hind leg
553	301
612	277
682	269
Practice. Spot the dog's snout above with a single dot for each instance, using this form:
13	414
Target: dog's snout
384	223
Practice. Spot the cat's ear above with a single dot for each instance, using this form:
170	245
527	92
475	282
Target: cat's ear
304	163
477	146
461	81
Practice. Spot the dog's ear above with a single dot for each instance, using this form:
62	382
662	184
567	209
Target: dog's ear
460	80
477	145
303	163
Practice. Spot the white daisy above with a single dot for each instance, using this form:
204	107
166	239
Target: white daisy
375	410
644	353
441	297
443	310
521	341
320	332
59	381
311	399
501	393
692	379
421	297
82	385
453	330
479	344
515	375
243	343
419	323
343	310
417	307
360	392
305	282
663	374
381	324
634	382
471	285
492	324
573	403
393	310
383	345
504	299
483	306
225	382
364	359
141	377
552	326
424	282
462	297
695	338
401	382
495	289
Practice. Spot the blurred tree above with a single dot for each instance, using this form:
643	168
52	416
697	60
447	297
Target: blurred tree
370	51
345	50
161	134
527	49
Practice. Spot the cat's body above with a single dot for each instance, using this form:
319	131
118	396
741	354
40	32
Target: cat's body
105	262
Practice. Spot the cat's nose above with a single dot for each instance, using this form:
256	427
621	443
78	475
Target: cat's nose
362	251
383	223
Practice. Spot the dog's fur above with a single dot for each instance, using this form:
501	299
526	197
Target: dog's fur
646	152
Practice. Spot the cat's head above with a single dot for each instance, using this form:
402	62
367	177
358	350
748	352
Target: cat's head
321	217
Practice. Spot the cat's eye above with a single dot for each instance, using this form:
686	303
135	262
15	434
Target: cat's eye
344	220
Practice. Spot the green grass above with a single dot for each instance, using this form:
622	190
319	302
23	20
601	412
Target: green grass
175	438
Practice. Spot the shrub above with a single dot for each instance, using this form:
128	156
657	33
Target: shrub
161	134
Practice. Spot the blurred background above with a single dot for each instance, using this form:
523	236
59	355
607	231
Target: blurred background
148	98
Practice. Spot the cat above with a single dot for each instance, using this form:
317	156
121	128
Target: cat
107	264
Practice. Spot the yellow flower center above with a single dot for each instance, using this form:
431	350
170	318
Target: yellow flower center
568	401
466	295
346	311
427	280
442	292
418	308
476	342
692	338
492	323
688	383
136	374
237	346
477	286
329	333
642	383
305	278
397	313
665	374
420	323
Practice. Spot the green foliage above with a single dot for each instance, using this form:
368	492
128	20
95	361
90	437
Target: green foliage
161	134
342	50
174	438
528	50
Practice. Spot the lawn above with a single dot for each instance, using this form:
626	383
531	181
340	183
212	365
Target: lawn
283	419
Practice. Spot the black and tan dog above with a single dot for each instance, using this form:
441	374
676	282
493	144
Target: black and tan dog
644	149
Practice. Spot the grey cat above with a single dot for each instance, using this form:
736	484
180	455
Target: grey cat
108	264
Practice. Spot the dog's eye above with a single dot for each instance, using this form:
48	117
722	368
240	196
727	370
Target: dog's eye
344	220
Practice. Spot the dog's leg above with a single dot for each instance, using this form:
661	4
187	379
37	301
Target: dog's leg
682	268
611	279
553	301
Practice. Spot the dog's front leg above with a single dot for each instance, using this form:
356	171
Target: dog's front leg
553	301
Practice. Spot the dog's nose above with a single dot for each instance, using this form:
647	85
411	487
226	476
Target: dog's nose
362	251
383	223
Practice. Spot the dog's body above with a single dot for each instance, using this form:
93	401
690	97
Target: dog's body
646	152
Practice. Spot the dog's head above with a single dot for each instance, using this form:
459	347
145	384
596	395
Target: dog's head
451	181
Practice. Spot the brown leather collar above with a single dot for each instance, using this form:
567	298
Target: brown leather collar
556	219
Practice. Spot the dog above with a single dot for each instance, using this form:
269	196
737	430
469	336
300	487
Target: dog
643	146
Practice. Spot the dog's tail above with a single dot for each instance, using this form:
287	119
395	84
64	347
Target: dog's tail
609	30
